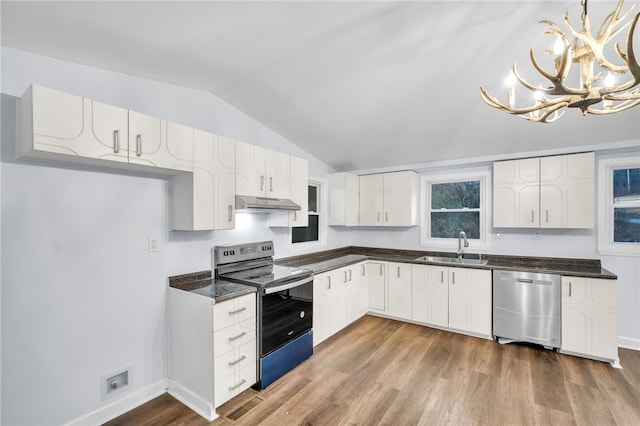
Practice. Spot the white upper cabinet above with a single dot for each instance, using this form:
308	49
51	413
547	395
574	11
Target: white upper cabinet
205	198
58	125
344	199
61	126
261	172
388	199
547	192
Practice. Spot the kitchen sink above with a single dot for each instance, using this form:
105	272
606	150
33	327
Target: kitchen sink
452	260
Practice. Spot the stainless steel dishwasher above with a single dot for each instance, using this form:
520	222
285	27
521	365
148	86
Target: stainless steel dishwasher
526	308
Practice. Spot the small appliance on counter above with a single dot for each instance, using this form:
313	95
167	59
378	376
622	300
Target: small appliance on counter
285	305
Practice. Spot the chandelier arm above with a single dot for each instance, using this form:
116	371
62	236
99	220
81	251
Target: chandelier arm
630	58
559	88
551	105
622	107
524	82
607	26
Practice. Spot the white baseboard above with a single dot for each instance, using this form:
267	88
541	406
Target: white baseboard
629	343
127	402
191	400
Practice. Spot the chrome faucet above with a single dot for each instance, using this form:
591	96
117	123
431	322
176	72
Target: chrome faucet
462	236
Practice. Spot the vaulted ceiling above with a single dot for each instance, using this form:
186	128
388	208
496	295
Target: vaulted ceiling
359	85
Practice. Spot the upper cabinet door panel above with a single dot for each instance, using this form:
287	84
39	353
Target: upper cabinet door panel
57	114
145	141
581	166
250	169
529	170
109	126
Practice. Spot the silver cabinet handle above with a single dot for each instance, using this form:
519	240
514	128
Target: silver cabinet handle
271	183
386	216
237	311
295	215
345	276
441	276
349	274
261	183
232	388
242	358
116	141
362	270
381	269
532	217
138	145
453	276
328	282
569	288
231	339
378	217
547	214
230	213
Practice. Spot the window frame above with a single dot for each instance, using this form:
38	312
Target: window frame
483	243
606	246
309	246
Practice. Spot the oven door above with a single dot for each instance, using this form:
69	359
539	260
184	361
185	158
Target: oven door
286	312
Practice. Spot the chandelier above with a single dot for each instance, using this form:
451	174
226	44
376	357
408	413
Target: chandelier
593	94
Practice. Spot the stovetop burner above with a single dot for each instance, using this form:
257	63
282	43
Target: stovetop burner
252	264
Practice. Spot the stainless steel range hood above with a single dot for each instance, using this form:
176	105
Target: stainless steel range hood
246	203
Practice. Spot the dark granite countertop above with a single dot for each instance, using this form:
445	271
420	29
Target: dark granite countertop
331	259
204	284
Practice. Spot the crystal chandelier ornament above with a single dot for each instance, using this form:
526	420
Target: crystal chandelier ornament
594	94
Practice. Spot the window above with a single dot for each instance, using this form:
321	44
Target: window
313	234
619	210
452	204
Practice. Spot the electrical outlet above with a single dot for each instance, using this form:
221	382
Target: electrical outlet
536	235
114	383
153	245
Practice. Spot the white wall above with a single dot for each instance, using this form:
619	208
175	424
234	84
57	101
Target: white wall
81	295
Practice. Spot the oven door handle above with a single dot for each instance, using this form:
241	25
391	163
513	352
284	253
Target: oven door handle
293	284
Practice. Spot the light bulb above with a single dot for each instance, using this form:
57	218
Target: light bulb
558	46
609	80
538	95
511	79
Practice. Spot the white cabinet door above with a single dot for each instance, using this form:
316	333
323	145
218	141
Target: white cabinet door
146	144
250	169
371	200
278	174
299	191
108	138
438	296
400	199
375	273
344	199
321	307
357	293
470	300
399	290
590	317
419	293
516	185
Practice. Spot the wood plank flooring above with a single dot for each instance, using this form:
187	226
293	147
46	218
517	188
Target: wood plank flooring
380	371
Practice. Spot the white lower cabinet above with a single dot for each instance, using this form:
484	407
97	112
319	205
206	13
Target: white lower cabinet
212	349
375	274
456	298
357	292
399	290
329	304
590	317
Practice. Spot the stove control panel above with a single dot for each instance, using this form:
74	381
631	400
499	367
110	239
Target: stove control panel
243	252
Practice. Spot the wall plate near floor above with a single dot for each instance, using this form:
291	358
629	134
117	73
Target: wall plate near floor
115	383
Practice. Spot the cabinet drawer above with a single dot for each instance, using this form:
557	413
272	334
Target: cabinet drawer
231	361
231	338
233	311
230	386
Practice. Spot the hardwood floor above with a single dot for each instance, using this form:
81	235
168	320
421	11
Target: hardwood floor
379	371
